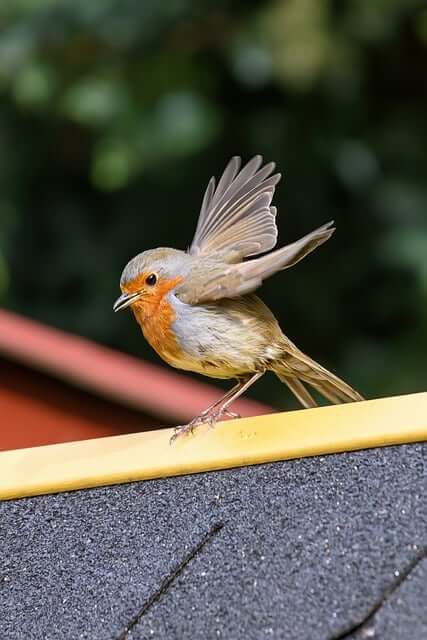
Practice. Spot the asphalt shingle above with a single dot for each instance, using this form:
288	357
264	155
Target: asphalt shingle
300	549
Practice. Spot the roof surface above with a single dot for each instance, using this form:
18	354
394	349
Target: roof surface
324	548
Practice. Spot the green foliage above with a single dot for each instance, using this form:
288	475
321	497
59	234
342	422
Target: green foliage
115	113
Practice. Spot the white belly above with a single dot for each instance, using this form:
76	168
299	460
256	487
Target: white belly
226	339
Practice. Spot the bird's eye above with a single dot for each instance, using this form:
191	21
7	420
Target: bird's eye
151	280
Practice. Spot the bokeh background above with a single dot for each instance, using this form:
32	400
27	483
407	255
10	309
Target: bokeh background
115	113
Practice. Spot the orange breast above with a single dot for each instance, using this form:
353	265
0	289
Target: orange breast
155	317
158	332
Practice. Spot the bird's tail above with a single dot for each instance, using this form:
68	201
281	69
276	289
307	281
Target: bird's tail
296	369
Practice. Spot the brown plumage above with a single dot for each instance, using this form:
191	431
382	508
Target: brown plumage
197	309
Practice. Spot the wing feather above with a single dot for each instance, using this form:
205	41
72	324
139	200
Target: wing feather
231	280
236	216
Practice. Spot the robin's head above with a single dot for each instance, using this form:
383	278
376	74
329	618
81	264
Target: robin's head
149	276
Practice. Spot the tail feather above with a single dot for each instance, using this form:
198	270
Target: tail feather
299	391
295	368
331	394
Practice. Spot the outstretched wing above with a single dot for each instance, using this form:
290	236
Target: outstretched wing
236	218
231	280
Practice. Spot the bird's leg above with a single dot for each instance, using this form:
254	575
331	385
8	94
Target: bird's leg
237	391
221	400
219	408
205	416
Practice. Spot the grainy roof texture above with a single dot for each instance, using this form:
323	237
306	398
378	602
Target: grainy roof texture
324	548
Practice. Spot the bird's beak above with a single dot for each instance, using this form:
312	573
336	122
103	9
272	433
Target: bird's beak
125	300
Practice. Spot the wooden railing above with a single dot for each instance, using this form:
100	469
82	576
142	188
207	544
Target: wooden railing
269	438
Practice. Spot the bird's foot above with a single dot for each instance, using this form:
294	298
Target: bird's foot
230	414
185	429
206	417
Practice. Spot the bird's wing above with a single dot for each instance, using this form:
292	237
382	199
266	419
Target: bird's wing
231	280
236	219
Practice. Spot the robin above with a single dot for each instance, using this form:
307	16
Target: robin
197	309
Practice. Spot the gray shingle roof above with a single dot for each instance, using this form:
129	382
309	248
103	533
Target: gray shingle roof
304	549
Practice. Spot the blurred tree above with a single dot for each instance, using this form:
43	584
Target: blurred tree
115	113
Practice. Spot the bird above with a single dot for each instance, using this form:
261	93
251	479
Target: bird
198	310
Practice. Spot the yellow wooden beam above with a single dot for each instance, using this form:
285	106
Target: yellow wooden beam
280	436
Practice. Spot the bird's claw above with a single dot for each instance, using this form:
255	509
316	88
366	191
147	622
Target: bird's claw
181	430
189	428
231	414
210	418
